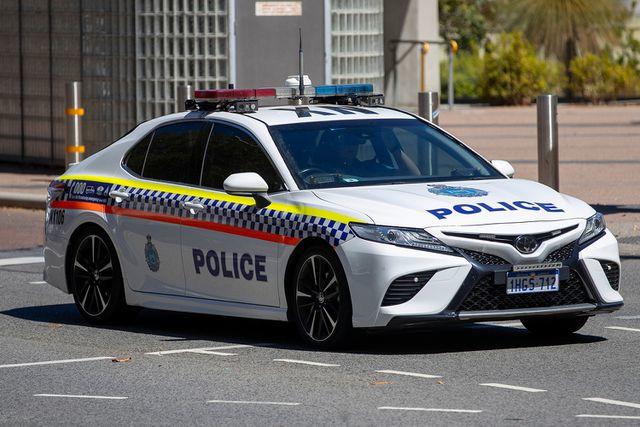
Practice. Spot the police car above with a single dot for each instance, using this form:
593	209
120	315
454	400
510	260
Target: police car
331	211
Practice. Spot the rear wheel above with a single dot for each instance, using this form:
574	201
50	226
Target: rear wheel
321	304
96	278
554	326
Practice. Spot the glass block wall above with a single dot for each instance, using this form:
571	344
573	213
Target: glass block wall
178	42
357	45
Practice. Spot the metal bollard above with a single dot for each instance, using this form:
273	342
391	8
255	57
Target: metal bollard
547	106
74	149
184	92
428	103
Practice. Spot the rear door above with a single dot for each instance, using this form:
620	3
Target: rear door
148	229
228	252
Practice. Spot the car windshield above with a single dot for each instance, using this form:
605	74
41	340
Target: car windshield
371	152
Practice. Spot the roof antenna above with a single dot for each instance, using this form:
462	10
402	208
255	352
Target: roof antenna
300	67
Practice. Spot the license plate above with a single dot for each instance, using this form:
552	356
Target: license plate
529	282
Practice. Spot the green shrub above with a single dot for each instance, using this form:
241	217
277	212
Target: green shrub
512	72
599	78
467	67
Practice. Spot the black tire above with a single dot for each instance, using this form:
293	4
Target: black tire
320	303
95	278
554	326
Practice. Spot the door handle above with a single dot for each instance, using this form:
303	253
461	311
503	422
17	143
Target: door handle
194	207
120	196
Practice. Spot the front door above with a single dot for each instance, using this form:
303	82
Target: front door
227	254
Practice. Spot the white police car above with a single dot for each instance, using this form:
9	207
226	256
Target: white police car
336	214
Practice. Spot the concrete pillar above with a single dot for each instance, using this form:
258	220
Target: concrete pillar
410	20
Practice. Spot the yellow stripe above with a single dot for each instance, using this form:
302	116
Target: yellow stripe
212	194
75	148
74	111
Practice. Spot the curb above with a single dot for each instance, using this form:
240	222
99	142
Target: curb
21	200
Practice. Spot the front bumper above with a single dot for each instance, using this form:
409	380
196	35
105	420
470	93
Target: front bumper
468	289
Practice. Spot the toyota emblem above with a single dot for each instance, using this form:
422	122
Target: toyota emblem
526	244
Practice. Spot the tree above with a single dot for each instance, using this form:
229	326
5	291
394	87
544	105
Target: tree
465	21
568	28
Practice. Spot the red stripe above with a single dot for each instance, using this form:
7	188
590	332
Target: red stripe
133	213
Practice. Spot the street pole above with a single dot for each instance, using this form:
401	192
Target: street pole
184	92
450	93
74	148
428	103
423	65
548	174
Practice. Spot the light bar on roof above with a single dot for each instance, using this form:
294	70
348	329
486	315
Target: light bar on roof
347	89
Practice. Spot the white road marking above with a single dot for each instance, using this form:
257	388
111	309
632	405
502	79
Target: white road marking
622	328
398	408
409	374
305	362
628	317
80	396
39	282
612	402
21	261
514	387
55	362
254	402
202	350
618	417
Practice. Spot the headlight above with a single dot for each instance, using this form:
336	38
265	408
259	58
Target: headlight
595	226
408	237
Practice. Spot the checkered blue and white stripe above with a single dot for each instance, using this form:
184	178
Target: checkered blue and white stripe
236	214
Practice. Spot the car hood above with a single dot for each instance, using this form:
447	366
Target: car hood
458	203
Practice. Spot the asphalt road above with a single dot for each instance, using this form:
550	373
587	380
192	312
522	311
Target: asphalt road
250	372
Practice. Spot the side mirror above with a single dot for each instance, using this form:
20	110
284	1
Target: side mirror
248	184
504	167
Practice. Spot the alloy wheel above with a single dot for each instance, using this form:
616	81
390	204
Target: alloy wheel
318	298
93	275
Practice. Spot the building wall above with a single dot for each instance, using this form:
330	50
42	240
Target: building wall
410	20
131	55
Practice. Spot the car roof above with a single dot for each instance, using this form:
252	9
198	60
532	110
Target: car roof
292	114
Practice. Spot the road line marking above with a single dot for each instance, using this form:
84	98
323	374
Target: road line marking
409	374
202	350
398	408
628	317
514	387
40	282
613	402
305	362
619	417
80	396
21	261
254	402
622	328
55	362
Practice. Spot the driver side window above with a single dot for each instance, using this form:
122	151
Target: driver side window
232	150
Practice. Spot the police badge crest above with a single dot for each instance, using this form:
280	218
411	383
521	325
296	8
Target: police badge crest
151	255
448	190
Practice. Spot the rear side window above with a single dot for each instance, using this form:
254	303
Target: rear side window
135	158
175	152
232	150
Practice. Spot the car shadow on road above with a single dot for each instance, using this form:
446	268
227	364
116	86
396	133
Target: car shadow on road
197	330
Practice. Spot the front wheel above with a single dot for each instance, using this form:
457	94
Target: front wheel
554	326
96	278
320	299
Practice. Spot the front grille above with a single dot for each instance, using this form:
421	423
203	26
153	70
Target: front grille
485	295
406	287
484	258
561	254
612	271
